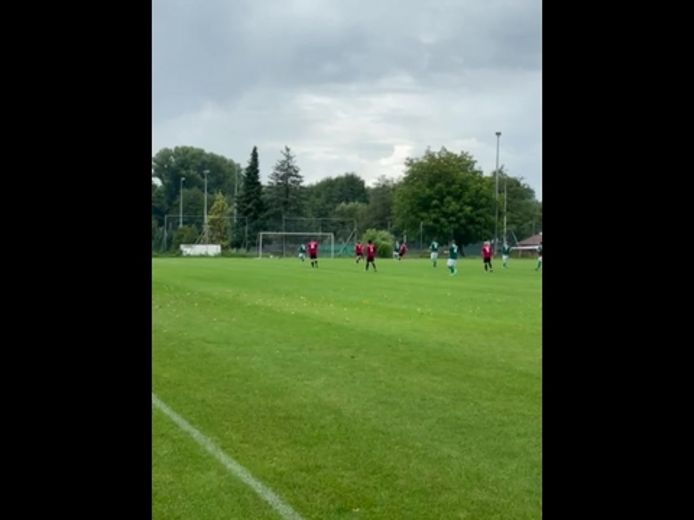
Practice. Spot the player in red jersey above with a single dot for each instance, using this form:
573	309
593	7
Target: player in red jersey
371	255
403	250
313	253
487	254
359	251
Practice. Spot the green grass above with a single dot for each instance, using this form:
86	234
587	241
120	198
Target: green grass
405	393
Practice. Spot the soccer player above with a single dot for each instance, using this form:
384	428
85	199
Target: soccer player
403	251
487	254
302	252
313	252
434	248
359	251
371	255
453	258
505	252
539	257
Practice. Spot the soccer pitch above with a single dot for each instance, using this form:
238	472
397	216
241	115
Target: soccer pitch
406	393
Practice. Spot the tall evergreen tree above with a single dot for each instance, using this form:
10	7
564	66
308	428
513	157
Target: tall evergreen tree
284	190
251	200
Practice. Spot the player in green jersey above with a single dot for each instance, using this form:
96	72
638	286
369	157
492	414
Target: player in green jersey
505	253
434	248
453	258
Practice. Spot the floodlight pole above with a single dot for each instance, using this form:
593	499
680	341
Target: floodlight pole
180	207
505	205
205	226
496	193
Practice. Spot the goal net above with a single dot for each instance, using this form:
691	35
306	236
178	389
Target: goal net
286	243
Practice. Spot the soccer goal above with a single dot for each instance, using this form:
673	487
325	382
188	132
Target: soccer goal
286	243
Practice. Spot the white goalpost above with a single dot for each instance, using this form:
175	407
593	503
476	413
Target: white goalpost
297	236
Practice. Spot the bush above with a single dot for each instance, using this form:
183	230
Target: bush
383	240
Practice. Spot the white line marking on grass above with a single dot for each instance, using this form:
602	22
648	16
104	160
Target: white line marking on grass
234	467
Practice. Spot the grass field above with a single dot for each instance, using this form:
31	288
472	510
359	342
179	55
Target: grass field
402	394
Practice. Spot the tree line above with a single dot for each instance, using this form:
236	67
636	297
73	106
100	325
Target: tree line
442	195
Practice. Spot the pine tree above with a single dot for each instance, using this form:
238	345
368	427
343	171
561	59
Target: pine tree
250	202
284	190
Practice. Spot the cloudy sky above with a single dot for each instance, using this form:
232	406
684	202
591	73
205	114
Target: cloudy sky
350	85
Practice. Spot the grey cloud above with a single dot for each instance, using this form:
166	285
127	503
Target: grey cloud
349	79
